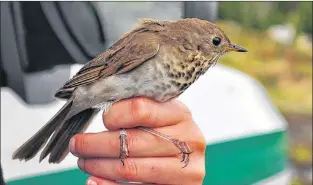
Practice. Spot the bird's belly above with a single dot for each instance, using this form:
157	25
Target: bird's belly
153	82
149	81
159	90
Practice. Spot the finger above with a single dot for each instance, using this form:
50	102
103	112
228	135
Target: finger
140	143
163	170
144	112
100	181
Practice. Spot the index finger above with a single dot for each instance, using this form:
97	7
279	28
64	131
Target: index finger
145	112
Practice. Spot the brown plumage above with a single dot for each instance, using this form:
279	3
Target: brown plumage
157	59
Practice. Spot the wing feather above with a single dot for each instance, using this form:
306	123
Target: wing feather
129	52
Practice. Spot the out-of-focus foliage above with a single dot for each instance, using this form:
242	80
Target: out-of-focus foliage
278	36
296	181
304	17
301	154
262	15
284	70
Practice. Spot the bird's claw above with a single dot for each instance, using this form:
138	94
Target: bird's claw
184	150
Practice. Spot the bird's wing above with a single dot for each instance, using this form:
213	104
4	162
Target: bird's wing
126	54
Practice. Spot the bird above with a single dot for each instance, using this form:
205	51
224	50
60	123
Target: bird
157	59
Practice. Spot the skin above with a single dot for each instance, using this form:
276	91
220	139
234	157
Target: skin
152	159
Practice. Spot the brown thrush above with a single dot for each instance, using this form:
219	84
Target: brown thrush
157	59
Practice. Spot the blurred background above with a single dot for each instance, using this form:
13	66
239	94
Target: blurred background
278	36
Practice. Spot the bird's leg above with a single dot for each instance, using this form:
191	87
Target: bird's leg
106	106
182	146
123	135
123	145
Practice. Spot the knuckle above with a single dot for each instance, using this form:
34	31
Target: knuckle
202	144
114	144
184	109
81	144
199	145
130	170
198	174
196	138
133	140
107	120
197	142
155	173
139	110
91	166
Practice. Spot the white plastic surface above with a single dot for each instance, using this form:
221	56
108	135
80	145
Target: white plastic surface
225	103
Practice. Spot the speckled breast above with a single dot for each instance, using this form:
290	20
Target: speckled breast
184	73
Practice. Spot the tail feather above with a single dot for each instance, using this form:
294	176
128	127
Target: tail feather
31	147
58	144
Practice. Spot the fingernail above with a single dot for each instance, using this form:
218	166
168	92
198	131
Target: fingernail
91	182
72	145
81	163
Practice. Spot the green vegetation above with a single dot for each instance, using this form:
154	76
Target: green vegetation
262	15
301	154
284	70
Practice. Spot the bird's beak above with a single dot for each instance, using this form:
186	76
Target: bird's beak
234	47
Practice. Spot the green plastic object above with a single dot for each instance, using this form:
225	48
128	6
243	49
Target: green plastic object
236	162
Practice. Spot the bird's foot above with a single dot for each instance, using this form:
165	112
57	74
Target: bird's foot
182	146
184	150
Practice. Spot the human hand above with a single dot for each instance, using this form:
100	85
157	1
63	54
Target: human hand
151	159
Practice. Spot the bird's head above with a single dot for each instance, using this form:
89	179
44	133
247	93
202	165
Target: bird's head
194	34
212	39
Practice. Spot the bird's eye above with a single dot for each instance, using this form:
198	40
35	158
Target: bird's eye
216	41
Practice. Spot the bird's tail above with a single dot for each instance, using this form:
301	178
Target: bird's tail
62	131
